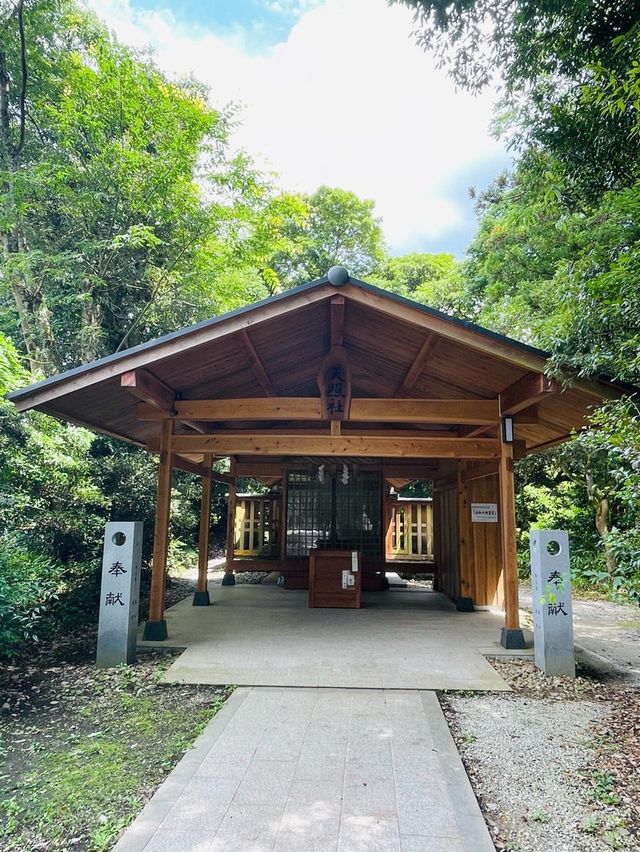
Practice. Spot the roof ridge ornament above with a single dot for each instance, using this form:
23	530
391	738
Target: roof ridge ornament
338	276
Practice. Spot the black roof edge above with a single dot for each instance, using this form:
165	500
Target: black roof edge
212	321
425	309
156	341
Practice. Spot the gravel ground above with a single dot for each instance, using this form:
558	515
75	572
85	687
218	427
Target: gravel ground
554	763
537	801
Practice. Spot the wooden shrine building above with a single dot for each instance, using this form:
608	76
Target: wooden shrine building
331	394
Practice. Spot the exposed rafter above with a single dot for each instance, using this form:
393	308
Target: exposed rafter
337	320
419	363
256	364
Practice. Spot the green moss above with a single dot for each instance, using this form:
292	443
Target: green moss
92	784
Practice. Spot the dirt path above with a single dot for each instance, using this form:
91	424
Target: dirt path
606	634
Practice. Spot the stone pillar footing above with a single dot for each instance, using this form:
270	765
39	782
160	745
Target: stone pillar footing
465	605
512	638
201	598
155	631
229	580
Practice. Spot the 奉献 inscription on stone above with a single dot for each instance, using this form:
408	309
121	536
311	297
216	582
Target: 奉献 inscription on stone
119	593
552	610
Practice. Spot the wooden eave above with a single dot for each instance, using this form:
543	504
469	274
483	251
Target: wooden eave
396	348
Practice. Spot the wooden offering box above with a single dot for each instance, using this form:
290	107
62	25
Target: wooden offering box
335	578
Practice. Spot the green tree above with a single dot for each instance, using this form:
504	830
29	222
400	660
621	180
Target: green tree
434	279
566	71
339	228
103	210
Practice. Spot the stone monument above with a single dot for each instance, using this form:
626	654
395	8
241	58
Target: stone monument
552	610
119	594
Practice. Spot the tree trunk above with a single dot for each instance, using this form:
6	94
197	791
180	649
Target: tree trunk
91	325
33	313
602	525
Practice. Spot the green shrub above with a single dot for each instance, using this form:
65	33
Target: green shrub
625	547
28	585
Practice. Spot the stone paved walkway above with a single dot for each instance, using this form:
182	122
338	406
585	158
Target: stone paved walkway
317	769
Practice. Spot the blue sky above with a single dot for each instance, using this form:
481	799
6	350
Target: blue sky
260	24
334	92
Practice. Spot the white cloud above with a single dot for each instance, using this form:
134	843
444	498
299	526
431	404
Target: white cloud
348	100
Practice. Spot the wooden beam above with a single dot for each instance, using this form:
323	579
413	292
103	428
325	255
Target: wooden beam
547	445
259	469
480	471
225	444
205	523
528	390
337	320
418	365
150	389
225	478
454	411
476	431
155	393
275	408
527	417
256	364
413	470
508	536
187	465
439	411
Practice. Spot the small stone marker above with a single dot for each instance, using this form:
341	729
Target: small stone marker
552	610
119	593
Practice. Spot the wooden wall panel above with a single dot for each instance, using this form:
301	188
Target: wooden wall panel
485	547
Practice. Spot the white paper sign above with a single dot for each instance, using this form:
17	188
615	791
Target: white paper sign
354	560
484	513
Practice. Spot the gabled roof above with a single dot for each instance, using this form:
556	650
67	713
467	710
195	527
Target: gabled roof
385	336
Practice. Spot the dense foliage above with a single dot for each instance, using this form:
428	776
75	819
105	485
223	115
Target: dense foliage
557	257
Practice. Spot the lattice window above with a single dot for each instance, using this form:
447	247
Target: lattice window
332	514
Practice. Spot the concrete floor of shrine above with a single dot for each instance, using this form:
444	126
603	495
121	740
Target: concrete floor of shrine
265	635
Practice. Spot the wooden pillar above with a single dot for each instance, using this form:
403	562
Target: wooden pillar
283	516
466	595
229	577
512	636
201	596
156	627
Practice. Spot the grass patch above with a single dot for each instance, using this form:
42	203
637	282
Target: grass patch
78	773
